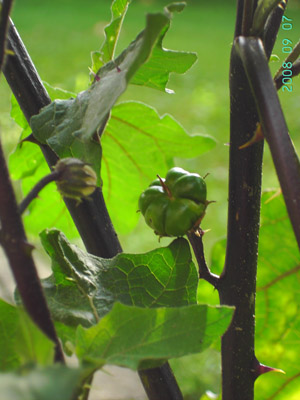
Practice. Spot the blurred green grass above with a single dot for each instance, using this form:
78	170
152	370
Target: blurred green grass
60	35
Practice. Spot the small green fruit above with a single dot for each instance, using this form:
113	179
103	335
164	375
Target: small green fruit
175	205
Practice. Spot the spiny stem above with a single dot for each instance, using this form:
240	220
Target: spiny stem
53	176
4	22
18	252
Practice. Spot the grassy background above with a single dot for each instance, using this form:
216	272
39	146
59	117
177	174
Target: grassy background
60	35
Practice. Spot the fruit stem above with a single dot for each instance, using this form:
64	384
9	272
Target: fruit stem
165	187
204	271
53	176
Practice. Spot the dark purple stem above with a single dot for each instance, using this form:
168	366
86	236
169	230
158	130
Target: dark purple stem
18	252
284	155
53	176
4	22
204	272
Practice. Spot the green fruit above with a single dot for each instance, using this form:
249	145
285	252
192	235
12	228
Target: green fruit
175	205
148	196
190	186
156	213
181	215
174	174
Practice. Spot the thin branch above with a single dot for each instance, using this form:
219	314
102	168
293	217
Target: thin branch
53	176
204	272
279	278
18	252
284	156
239	18
5	8
295	71
247	17
272	27
292	57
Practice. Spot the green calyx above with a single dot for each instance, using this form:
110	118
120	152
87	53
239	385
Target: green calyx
174	205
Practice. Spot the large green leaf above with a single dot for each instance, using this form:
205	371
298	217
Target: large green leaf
20	340
131	336
56	382
155	72
112	31
278	301
137	145
9	358
83	287
68	126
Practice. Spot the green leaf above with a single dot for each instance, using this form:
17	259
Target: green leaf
31	343
112	31
155	72
9	358
129	336
261	14
56	125
17	114
58	93
278	299
20	340
83	287
68	126
56	382
137	145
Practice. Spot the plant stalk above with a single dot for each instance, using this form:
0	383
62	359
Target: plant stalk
237	286
18	252
284	155
4	22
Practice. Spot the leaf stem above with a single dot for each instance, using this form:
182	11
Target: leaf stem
53	176
204	272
